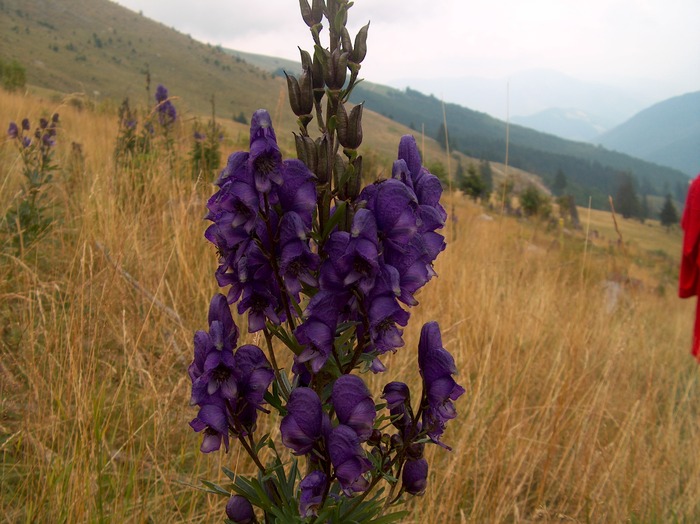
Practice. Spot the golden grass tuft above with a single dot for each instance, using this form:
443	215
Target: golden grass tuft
577	408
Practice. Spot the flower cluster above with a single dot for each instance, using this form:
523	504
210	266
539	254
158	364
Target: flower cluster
43	138
165	108
27	221
261	228
329	270
229	387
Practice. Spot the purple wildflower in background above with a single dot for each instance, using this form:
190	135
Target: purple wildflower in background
353	405
165	109
13	130
348	459
414	476
25	124
312	487
301	426
240	510
437	367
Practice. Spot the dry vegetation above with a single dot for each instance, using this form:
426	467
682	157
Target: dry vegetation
577	408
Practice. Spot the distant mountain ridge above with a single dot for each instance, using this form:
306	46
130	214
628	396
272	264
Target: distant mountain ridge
667	133
569	123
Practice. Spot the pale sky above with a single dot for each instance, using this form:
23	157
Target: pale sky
648	45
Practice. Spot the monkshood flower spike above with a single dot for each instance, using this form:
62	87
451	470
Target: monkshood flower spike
323	269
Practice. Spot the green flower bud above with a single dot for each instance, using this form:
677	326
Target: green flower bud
359	51
307	151
301	96
335	69
349	127
312	15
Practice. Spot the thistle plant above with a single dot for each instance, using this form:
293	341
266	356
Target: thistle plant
325	269
28	220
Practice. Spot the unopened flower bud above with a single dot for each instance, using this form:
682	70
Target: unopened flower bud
359	50
335	69
345	40
307	151
415	450
324	160
396	441
313	14
300	93
375	437
240	510
350	127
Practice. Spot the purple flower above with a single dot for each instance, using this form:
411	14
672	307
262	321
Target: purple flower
240	510
353	405
313	487
13	130
298	190
360	263
317	332
213	420
301	426
437	367
348	459
265	160
253	375
211	370
415	476
161	93
297	262
398	401
25	124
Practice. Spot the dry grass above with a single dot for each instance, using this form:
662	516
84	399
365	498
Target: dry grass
577	409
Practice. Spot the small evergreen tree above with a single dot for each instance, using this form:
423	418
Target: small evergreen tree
559	184
626	201
487	178
668	214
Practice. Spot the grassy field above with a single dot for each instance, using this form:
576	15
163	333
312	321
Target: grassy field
581	404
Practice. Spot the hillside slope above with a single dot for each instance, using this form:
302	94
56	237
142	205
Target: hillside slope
667	133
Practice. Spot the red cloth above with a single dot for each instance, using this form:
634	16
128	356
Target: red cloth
689	281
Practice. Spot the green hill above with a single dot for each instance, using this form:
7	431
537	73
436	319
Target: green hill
667	133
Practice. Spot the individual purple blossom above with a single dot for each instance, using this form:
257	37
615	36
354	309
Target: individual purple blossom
265	160
301	426
313	487
240	510
353	405
212	419
348	459
440	390
25	124
398	401
297	262
414	476
317	332
212	368
13	130
298	190
360	262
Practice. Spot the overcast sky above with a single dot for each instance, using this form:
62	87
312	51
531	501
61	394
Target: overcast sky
651	45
